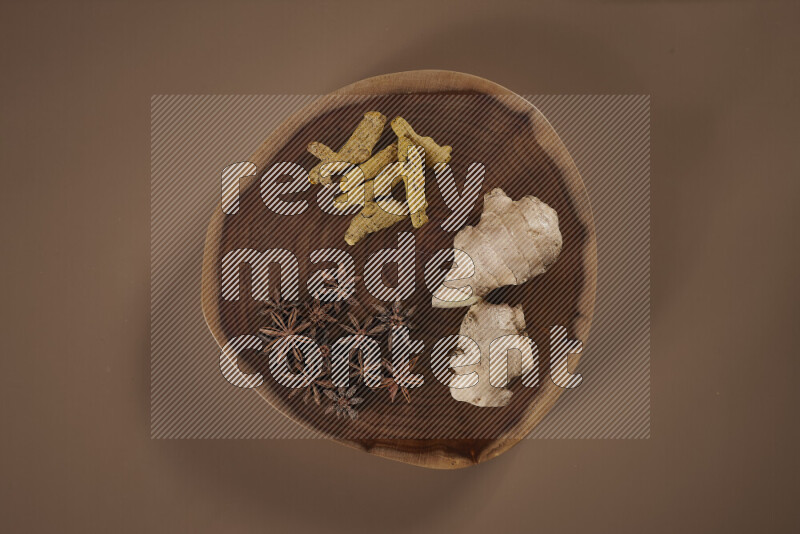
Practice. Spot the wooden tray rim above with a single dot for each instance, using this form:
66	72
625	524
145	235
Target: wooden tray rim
439	454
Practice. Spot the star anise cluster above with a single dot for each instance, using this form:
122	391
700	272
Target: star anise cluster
324	322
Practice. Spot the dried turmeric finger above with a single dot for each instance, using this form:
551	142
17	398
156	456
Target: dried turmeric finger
433	153
365	192
414	178
373	218
370	168
356	149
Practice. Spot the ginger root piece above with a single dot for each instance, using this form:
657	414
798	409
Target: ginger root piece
513	242
369	169
433	153
372	219
483	323
356	150
414	179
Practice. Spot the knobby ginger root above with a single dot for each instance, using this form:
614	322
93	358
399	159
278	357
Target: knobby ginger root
356	150
513	242
433	153
483	324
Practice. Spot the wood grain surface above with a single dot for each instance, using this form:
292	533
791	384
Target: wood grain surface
522	154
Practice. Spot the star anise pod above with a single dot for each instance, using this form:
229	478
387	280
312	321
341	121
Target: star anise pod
327	366
278	305
362	329
283	328
337	283
393	386
394	316
314	391
318	316
311	391
343	402
318	386
362	368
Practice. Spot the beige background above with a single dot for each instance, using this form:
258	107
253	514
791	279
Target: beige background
76	85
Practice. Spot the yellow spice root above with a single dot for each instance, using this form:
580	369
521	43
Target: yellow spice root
372	219
433	153
414	180
356	149
369	169
383	171
362	194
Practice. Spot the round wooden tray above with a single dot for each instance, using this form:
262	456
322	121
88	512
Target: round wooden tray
522	154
